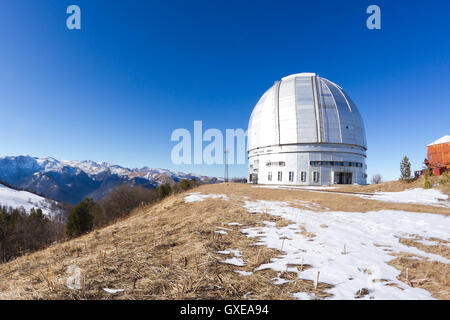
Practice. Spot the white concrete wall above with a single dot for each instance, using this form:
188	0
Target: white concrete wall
297	159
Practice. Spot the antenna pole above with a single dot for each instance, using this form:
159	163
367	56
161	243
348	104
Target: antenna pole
226	165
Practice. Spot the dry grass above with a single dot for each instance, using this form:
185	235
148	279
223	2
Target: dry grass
169	251
330	199
441	249
432	276
393	186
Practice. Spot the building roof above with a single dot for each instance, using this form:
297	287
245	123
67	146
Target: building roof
444	139
305	108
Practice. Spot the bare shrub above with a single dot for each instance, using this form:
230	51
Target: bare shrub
376	178
120	202
123	199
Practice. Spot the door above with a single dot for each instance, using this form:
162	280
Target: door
346	178
343	178
254	178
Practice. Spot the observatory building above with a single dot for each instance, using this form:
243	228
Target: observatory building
305	130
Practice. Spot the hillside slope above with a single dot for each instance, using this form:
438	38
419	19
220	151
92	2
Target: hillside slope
202	245
16	199
398	186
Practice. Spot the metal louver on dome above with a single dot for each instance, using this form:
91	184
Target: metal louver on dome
305	108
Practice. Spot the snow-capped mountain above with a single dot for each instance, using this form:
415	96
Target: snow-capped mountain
16	199
71	181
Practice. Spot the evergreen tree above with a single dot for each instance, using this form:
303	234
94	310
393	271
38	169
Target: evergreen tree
165	190
184	185
37	214
3	223
429	171
80	220
405	169
444	179
427	183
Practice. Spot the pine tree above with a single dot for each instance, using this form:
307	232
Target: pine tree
444	179
165	190
184	185
429	171
427	183
405	169
80	220
36	214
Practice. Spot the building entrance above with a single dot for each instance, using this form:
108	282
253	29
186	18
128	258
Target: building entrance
343	178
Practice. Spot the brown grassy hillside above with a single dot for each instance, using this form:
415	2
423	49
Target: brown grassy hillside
169	251
391	186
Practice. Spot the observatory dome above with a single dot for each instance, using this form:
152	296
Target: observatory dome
305	108
314	118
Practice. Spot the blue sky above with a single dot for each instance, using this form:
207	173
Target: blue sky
116	89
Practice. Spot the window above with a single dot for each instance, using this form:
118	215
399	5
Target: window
316	176
291	176
269	176
276	164
336	163
280	176
303	176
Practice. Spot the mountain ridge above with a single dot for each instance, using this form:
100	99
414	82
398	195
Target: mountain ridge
71	180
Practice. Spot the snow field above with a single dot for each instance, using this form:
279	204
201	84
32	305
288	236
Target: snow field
16	199
352	252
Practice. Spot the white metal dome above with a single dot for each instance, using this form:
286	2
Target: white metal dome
305	108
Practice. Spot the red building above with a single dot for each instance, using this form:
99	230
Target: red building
438	155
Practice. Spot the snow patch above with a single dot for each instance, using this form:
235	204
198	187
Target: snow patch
305	296
279	280
113	291
269	223
27	200
197	196
431	197
431	242
234	252
352	252
236	260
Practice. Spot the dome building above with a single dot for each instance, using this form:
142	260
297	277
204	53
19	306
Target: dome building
305	130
